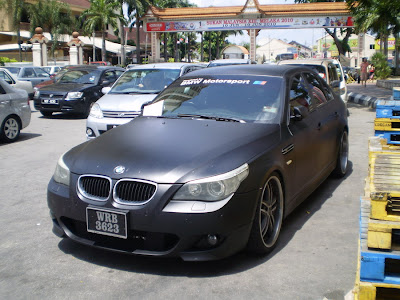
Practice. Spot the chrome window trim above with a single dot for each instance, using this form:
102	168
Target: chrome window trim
81	192
120	201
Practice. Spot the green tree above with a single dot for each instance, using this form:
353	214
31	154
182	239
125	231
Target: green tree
54	17
381	17
382	69
101	14
16	9
341	44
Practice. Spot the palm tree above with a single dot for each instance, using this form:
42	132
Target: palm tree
101	14
53	16
16	8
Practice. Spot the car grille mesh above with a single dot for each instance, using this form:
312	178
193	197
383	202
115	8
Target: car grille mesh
120	114
128	191
97	188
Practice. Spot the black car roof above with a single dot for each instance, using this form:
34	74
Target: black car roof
266	70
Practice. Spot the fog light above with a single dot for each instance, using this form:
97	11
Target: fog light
89	132
212	239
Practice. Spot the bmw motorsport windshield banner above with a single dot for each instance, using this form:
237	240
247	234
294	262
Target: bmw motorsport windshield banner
239	24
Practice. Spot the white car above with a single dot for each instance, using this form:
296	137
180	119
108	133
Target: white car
232	61
15	112
123	101
329	69
51	69
12	80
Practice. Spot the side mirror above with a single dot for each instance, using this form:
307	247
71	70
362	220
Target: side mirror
335	84
299	113
106	90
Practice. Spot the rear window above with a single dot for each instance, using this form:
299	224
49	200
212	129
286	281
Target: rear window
244	98
13	70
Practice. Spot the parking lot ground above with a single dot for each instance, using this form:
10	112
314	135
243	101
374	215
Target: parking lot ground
316	256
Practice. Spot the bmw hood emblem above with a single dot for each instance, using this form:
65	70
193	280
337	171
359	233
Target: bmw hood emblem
119	169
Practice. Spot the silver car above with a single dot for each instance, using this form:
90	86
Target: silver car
15	112
138	85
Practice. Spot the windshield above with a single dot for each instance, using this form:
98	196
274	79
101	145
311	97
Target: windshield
226	98
80	76
144	81
13	70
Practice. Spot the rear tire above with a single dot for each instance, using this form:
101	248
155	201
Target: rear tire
268	218
342	160
10	129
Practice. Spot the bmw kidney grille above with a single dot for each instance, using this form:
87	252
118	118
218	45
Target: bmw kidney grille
126	191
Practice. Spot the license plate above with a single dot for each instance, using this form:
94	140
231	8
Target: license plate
49	101
106	222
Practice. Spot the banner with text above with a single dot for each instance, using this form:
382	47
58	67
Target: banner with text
240	24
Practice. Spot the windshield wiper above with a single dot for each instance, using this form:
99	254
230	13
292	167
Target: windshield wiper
223	119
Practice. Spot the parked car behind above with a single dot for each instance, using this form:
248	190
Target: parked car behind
12	80
211	167
15	111
76	90
32	74
136	86
329	69
232	61
52	70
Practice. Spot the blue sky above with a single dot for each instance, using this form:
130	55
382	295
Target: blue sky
304	36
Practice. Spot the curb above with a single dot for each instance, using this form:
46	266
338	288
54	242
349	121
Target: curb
362	99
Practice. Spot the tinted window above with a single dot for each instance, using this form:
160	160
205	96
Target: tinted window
6	77
80	76
299	95
247	98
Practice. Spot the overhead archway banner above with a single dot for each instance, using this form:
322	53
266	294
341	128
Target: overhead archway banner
240	24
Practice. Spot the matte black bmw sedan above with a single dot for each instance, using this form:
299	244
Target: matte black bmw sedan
211	167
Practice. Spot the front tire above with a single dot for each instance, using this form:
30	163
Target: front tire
268	218
46	113
10	129
342	160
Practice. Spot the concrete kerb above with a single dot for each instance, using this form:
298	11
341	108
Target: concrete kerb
363	99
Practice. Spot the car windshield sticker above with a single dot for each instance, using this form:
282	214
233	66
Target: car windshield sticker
197	81
260	82
92	78
270	109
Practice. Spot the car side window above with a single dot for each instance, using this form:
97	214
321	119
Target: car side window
118	73
41	73
6	77
29	73
108	76
2	91
333	76
299	94
316	89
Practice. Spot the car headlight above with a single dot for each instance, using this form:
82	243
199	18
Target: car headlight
61	174
214	188
37	93
74	95
96	111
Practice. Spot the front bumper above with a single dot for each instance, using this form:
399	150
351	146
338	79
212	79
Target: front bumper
62	105
99	126
153	232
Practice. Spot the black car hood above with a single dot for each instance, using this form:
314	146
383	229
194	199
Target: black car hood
172	150
65	87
